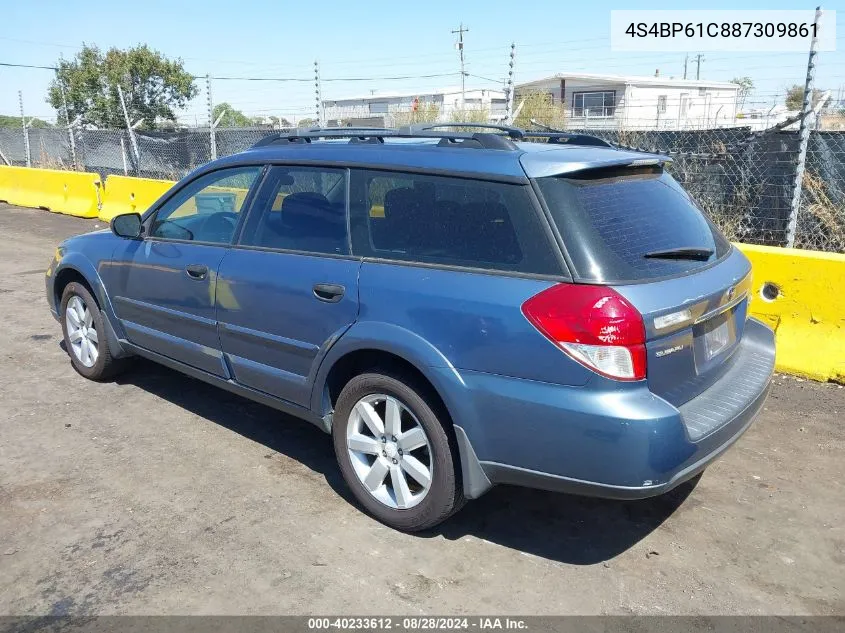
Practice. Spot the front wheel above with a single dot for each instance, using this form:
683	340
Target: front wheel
395	453
85	336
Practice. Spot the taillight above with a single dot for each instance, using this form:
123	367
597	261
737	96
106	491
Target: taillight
594	325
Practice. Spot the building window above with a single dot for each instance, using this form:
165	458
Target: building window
661	104
594	104
702	92
684	103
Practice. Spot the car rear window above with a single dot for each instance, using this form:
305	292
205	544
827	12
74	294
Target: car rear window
610	218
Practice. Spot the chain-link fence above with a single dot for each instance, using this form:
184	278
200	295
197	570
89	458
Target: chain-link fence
744	180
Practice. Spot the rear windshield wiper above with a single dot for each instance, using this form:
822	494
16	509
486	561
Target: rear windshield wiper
683	252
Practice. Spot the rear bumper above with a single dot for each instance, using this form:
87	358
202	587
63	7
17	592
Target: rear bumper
504	474
620	444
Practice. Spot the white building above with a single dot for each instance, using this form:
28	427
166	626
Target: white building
380	108
638	103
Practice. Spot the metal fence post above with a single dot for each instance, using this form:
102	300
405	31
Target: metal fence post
131	132
123	156
25	131
67	121
212	135
803	133
318	96
509	106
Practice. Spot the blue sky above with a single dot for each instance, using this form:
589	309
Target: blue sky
253	38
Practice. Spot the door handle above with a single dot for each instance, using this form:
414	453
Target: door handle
197	271
331	293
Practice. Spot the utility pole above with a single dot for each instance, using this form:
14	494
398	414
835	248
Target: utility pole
686	61
25	131
803	133
509	111
461	30
698	59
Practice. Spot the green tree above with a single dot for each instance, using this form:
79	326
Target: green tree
746	87
795	97
154	87
538	106
231	117
279	121
307	122
426	112
15	122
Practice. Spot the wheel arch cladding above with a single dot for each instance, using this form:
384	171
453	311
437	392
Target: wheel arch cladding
68	275
394	348
82	266
371	340
72	271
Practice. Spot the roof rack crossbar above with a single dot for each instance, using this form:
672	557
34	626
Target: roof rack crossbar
566	138
512	132
304	135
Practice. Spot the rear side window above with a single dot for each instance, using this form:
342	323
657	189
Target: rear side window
450	221
611	219
302	209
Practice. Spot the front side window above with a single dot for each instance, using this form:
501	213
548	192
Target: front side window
301	209
449	221
207	209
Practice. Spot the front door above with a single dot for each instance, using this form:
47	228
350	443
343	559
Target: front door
163	287
289	288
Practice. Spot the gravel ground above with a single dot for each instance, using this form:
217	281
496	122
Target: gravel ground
157	494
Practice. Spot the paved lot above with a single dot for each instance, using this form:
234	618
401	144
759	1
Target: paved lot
159	494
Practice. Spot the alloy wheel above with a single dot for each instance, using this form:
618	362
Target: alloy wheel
81	333
390	451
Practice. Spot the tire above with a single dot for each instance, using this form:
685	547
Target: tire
426	506
97	364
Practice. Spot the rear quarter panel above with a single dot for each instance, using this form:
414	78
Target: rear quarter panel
473	320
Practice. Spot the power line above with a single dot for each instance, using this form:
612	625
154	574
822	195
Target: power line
27	66
279	79
310	79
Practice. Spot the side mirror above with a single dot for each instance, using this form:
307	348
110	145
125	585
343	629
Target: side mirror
127	225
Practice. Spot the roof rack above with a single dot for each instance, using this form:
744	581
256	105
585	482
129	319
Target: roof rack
503	138
377	135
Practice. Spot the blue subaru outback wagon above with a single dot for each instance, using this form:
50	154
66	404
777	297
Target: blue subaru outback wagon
458	309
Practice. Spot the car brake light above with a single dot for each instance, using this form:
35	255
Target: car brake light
594	325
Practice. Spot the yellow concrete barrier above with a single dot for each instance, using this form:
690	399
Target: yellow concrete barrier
69	192
6	183
800	294
125	194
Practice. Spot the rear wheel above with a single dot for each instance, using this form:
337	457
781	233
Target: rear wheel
395	453
84	334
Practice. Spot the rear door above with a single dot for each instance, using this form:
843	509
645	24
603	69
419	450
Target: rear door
289	288
638	230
